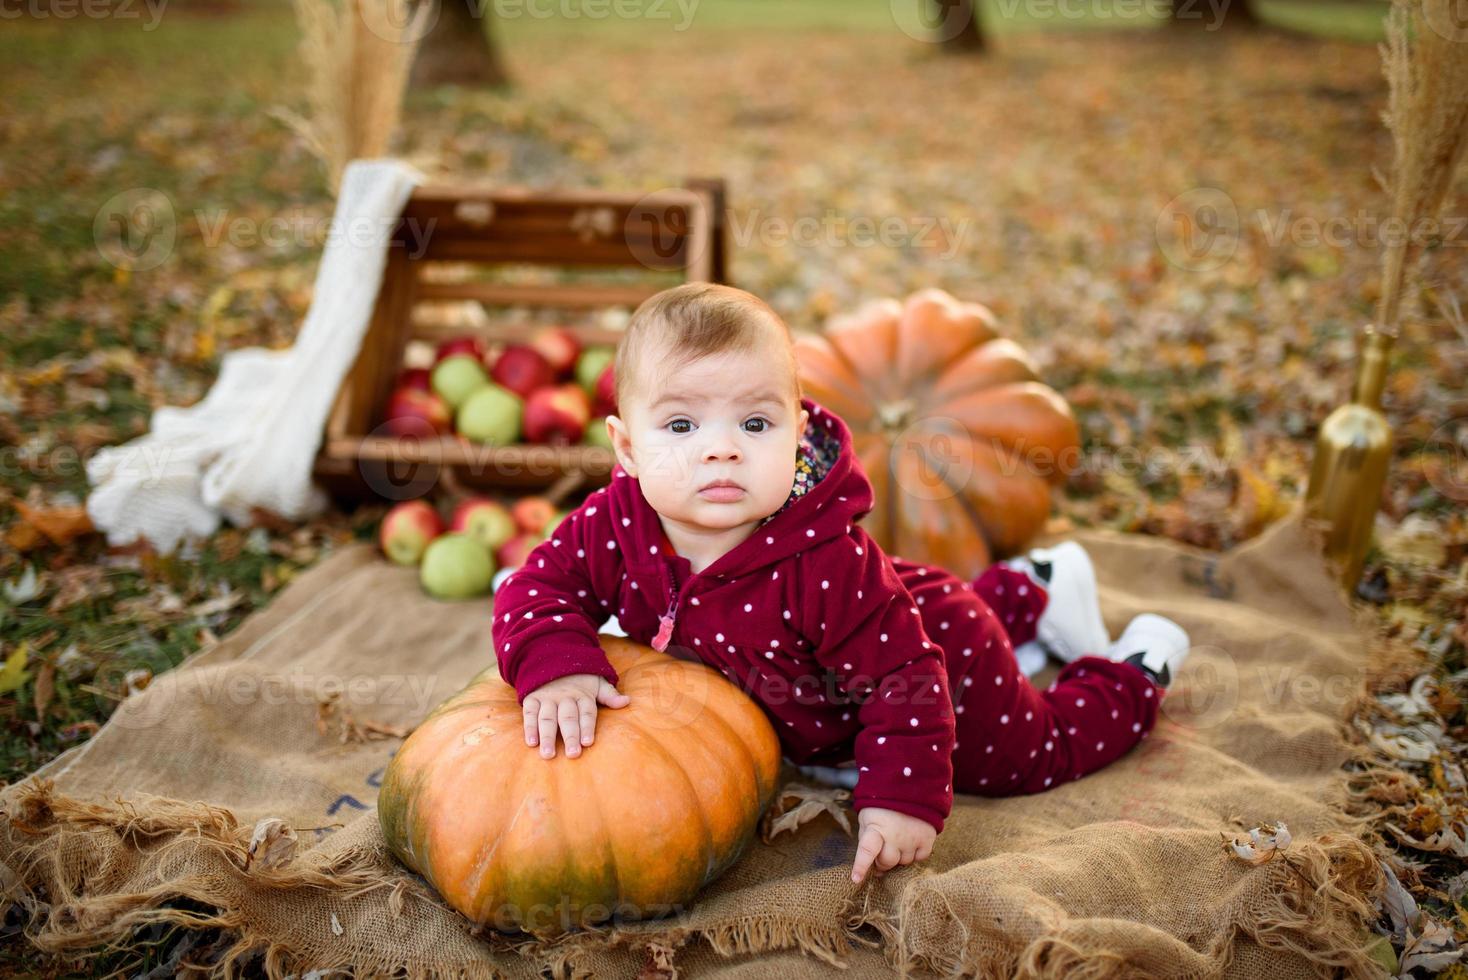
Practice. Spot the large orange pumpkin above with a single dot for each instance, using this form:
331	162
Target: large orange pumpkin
660	804
961	441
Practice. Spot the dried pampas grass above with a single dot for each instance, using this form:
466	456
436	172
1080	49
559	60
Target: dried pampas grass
357	54
1425	60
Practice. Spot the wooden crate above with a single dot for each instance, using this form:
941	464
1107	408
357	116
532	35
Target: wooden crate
637	243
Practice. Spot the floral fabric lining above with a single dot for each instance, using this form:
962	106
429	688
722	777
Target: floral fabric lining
814	456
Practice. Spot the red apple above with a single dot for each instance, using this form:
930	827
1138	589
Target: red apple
522	369
415	412
470	345
604	395
532	514
557	415
559	346
414	378
407	530
487	521
512	553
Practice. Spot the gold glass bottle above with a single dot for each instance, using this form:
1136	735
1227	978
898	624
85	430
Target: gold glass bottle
1352	452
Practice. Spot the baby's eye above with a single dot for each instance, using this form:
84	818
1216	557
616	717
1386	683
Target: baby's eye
762	423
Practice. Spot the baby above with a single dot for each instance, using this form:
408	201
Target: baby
730	534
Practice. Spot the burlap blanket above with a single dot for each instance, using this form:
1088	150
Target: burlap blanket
1123	873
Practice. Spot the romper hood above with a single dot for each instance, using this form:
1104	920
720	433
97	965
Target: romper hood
823	511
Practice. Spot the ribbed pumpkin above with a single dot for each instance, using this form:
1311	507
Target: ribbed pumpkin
962	443
660	804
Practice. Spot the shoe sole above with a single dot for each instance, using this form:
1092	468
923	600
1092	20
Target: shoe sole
1097	626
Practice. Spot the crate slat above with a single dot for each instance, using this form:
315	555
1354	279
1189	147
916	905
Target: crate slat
680	231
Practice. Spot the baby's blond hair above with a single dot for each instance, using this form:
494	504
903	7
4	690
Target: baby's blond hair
681	324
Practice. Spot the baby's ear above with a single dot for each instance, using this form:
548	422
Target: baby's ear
621	444
804	421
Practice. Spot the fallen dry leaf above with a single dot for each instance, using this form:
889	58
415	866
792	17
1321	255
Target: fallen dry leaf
1434	948
272	845
659	963
1262	843
797	804
79	583
60	524
45	688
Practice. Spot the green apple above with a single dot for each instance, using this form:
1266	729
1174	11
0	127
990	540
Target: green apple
597	434
492	415
456	566
485	520
592	362
457	377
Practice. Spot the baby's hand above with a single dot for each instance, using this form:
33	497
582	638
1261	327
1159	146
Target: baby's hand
889	838
570	701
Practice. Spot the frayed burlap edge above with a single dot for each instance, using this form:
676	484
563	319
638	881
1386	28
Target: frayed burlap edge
569	958
62	919
1314	902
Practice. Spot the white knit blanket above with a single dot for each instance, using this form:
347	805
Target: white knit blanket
252	440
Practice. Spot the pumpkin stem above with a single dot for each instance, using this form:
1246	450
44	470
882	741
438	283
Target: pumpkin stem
895	415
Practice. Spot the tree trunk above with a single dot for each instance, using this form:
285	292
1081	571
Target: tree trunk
459	49
958	26
1213	15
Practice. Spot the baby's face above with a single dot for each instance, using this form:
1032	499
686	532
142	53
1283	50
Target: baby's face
724	417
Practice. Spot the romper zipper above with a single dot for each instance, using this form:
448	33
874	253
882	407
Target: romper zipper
665	623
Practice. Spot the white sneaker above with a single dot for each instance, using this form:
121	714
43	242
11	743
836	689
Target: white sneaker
1153	644
832	776
1031	657
1071	625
